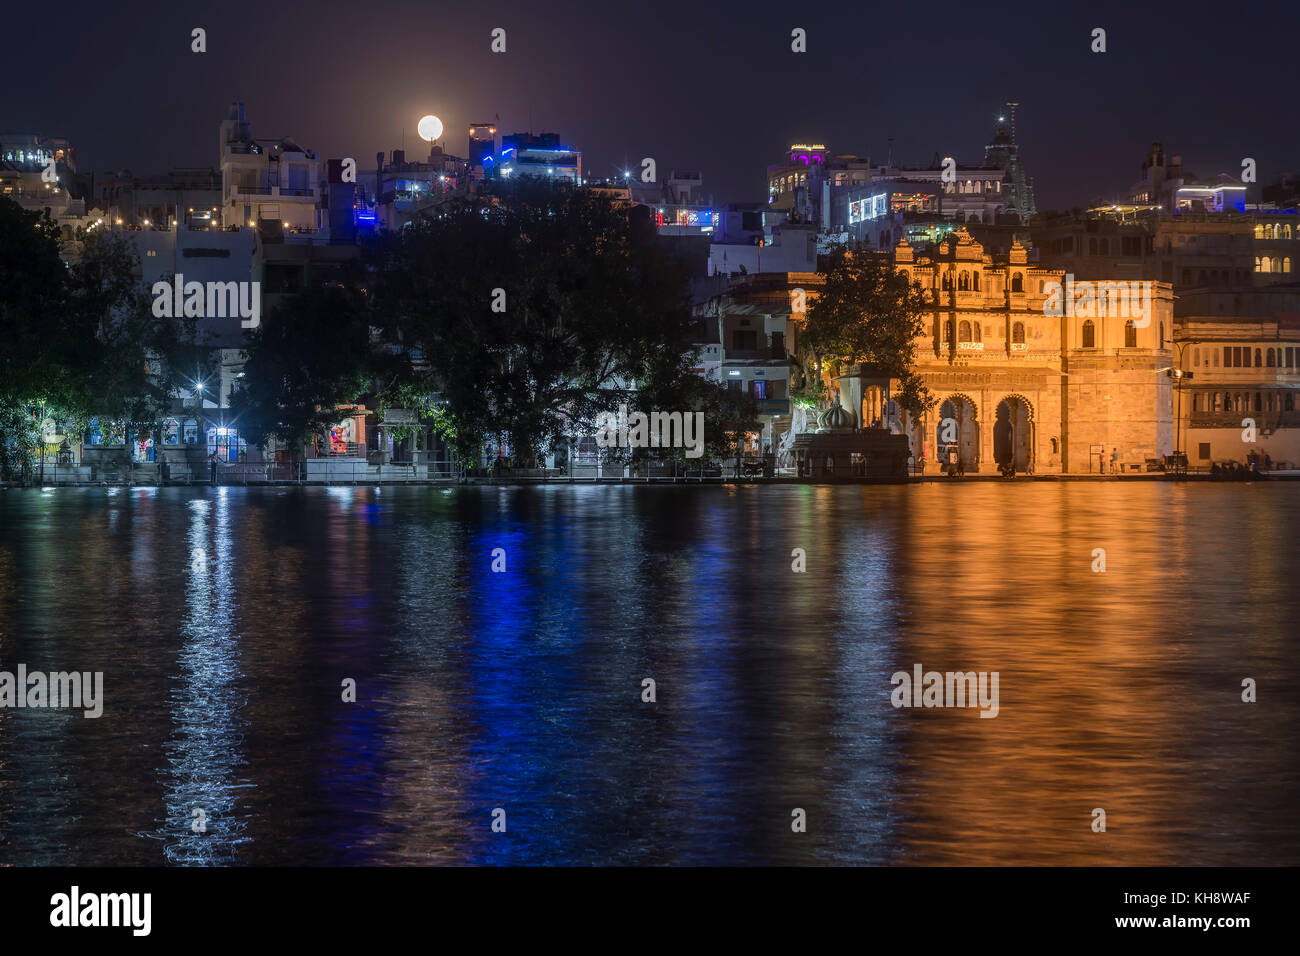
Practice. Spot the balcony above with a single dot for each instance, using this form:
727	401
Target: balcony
770	354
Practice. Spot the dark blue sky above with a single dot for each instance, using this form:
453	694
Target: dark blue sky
709	86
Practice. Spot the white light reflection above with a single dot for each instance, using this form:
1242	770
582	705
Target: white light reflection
204	759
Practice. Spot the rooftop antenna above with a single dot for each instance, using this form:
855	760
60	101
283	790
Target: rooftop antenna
890	161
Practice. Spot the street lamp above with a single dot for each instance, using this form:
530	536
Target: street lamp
1179	374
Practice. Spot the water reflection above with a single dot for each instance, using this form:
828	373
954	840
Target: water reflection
205	822
227	621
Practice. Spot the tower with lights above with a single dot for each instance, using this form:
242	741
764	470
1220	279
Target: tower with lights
1004	153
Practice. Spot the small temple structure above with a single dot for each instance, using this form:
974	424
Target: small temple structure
837	448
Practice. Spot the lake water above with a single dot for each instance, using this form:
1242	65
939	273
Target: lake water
225	622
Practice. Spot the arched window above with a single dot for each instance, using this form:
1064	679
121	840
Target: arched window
1259	231
1258	357
947	281
1286	263
1286	231
1089	335
978	333
975	280
947	331
1055	446
963	281
1265	264
1018	333
1130	335
1017	282
1270	359
1259	264
963	331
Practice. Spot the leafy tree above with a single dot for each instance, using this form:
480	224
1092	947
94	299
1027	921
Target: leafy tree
310	355
866	314
80	339
534	310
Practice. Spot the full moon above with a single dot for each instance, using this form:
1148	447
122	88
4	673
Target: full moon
429	127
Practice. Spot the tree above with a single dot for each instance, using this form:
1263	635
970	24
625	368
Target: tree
534	310
80	339
310	355
866	314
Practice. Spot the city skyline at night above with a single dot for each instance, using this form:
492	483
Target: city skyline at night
714	87
558	440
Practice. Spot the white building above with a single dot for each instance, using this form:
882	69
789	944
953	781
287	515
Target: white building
266	179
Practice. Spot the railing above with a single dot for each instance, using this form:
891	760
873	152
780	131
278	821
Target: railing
243	472
343	450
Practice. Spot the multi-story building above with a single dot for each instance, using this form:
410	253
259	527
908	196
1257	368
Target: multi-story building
1168	187
1238	367
1175	229
191	197
266	179
1276	245
541	155
747	242
677	204
40	174
805	187
880	214
745	345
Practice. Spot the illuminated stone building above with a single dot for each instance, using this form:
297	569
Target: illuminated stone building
1016	382
1240	389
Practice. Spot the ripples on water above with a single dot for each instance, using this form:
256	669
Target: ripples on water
226	620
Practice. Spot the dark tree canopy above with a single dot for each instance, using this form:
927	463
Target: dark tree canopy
81	339
533	311
866	314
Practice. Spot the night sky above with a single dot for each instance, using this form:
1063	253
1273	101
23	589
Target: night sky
707	86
